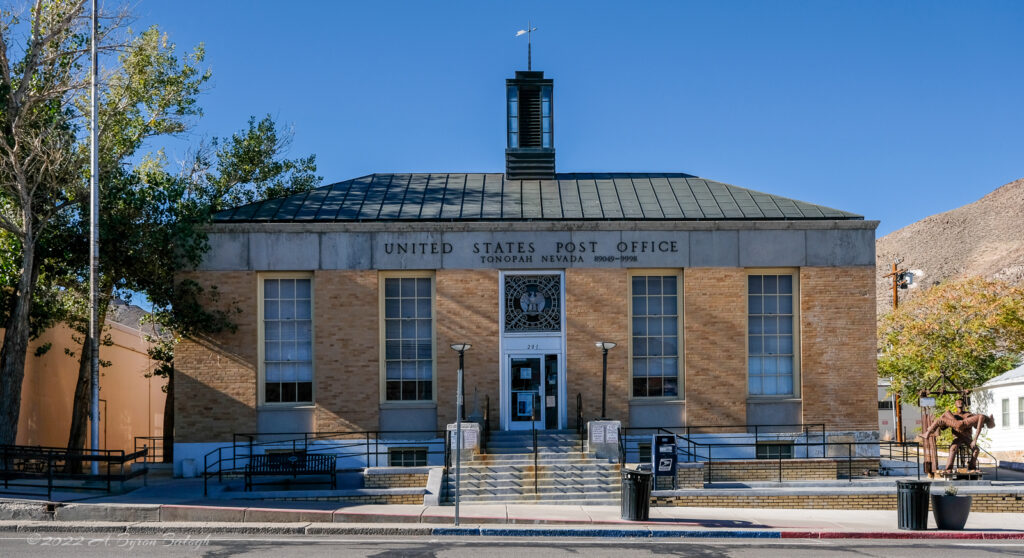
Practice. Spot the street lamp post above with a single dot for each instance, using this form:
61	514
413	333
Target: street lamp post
604	346
461	348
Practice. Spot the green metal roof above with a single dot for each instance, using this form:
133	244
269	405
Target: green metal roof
490	197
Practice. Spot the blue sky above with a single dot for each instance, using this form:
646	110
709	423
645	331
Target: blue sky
894	110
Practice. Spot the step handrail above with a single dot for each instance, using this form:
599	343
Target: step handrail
580	427
533	427
244	446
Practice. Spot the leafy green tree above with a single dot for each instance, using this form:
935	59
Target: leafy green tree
152	219
40	162
246	167
155	223
972	330
151	93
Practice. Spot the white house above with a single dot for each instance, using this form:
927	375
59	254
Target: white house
1003	397
887	413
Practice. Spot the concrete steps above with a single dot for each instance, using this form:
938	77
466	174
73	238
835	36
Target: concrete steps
542	458
592	500
567	470
564	474
543	484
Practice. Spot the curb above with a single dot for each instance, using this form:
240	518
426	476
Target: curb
972	535
222	528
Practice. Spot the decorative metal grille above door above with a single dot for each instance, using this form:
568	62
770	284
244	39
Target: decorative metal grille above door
533	303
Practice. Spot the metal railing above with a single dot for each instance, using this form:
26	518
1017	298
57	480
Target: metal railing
581	427
903	453
995	460
485	436
365	446
690	450
533	427
155	445
55	465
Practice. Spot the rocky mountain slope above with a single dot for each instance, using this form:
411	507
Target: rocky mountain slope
982	238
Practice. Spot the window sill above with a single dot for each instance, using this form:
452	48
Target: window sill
772	399
656	401
408	405
286	406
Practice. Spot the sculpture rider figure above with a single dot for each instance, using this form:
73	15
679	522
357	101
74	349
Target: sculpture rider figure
961	424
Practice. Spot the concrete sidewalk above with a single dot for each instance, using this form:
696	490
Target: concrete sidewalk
179	504
482	520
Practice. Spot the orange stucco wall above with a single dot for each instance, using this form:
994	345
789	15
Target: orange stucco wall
130	403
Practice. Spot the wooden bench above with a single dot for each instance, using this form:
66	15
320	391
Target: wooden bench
293	464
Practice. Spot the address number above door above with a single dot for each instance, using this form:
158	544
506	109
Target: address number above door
533	303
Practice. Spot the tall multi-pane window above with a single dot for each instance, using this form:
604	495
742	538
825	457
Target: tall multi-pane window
408	339
1006	413
288	340
770	322
1020	411
655	315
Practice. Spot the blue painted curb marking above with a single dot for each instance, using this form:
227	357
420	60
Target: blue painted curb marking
455	531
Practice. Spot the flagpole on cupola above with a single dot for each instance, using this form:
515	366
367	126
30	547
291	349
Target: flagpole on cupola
529	43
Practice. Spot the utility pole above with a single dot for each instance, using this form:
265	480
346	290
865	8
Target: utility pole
899	281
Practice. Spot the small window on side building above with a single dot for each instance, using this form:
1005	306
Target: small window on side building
407	457
775	450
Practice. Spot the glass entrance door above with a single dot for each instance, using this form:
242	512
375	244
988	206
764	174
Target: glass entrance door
533	393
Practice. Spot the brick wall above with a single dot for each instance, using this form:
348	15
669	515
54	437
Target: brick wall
215	377
837	326
715	326
690	475
791	469
596	309
791	501
346	349
401	480
466	303
990	502
364	499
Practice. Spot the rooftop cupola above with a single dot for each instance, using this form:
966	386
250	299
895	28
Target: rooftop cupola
530	153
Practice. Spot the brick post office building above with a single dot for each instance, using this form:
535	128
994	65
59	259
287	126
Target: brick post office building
728	306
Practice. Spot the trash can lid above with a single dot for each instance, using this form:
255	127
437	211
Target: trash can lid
636	472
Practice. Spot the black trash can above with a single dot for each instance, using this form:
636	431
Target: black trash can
636	495
912	504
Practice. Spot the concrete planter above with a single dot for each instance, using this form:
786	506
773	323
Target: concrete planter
950	512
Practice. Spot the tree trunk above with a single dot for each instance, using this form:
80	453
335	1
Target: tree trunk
169	419
83	393
15	347
80	405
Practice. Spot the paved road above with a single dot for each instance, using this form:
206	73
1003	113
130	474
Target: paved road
86	545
